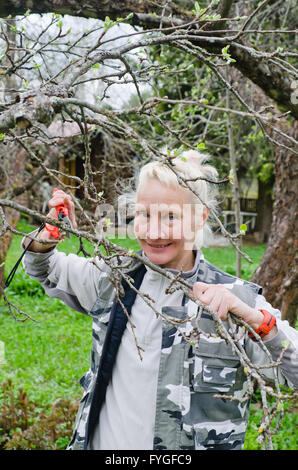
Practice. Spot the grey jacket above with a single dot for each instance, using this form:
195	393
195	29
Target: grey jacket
187	414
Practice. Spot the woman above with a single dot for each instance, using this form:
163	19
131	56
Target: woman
165	401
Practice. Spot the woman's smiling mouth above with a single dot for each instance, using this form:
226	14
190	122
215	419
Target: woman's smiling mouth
158	246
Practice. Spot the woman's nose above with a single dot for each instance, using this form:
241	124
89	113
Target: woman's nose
156	230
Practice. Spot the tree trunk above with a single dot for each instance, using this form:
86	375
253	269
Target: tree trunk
264	209
277	272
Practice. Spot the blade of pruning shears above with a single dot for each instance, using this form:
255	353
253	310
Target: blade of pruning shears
66	221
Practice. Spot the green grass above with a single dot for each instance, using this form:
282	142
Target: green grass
225	259
47	357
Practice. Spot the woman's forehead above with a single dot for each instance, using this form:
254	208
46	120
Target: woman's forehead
155	192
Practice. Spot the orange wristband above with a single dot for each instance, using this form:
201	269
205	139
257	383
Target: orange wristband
267	325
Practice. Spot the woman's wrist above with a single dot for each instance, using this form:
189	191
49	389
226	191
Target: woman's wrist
38	247
256	320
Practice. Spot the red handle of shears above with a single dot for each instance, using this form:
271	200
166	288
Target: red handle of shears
63	211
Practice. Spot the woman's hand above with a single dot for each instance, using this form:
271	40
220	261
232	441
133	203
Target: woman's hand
221	300
59	197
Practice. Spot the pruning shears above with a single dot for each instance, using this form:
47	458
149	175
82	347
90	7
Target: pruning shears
62	214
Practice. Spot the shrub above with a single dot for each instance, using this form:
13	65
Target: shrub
23	425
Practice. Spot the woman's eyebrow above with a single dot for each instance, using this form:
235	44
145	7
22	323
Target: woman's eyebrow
159	208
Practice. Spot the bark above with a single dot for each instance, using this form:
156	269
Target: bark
268	76
91	9
34	107
277	272
264	217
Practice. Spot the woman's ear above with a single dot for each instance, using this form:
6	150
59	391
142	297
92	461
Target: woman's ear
201	216
206	212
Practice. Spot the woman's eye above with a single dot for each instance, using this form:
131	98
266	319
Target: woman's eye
166	218
173	217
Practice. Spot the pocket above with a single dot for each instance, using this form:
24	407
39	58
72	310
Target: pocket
214	378
219	423
215	367
225	435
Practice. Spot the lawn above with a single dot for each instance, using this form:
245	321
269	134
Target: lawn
47	357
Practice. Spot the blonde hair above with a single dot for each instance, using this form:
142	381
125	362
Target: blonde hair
189	165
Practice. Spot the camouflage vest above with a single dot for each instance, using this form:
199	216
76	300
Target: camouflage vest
187	414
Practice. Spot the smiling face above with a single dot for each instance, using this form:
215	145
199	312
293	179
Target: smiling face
165	224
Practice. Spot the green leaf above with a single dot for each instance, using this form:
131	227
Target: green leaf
280	406
231	176
243	229
201	146
226	55
108	23
197	10
108	222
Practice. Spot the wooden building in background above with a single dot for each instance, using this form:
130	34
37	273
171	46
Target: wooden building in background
112	159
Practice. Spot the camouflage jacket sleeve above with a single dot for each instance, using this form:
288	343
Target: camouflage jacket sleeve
71	278
287	372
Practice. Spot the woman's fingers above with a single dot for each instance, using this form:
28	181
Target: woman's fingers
61	198
215	296
221	300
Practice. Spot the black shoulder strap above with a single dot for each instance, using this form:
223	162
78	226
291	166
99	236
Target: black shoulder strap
14	269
